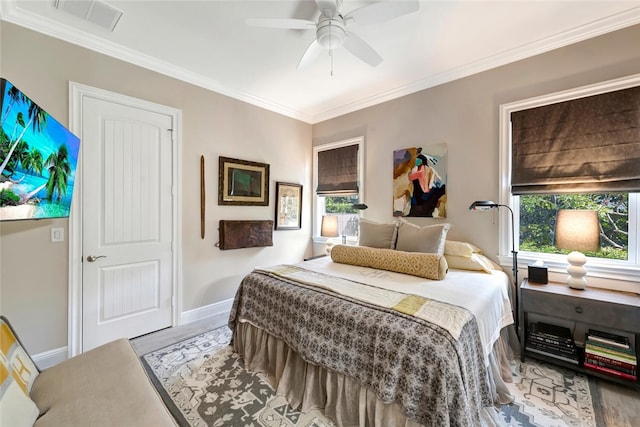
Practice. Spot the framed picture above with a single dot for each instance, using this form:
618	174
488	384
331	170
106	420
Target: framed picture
242	183
288	206
420	181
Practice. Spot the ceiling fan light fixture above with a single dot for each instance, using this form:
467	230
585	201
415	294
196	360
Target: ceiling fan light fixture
331	27
331	34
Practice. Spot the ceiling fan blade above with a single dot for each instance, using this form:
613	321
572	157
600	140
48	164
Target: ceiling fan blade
361	49
313	51
329	8
381	12
292	24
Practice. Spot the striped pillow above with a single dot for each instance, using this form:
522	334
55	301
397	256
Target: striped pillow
17	375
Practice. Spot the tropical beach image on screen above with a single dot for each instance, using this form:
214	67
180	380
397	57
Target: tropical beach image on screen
38	158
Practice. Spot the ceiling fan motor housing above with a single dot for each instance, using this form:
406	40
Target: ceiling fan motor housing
330	33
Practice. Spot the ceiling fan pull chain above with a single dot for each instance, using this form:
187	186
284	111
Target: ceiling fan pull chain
331	55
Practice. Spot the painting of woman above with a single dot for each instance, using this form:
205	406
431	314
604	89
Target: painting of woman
420	182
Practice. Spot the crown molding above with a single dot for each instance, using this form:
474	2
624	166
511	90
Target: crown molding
11	13
575	35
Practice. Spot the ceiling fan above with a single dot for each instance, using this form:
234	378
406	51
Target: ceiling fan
331	27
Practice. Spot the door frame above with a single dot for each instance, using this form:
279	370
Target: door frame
77	93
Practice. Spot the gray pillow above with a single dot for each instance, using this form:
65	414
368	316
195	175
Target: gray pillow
377	235
428	239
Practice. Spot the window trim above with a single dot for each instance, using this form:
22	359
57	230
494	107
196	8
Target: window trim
556	263
351	141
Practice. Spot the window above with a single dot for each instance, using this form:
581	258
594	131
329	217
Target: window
536	206
338	184
538	219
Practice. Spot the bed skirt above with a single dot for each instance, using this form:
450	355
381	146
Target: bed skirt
307	386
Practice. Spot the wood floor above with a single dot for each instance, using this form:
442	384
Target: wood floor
620	405
147	343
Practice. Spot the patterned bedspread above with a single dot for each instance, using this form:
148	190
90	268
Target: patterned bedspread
436	378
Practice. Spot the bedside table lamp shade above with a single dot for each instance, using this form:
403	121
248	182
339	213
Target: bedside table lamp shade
577	230
329	226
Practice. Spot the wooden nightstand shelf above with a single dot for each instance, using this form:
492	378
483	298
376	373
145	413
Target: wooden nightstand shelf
593	307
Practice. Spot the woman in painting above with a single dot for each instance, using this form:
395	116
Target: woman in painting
427	186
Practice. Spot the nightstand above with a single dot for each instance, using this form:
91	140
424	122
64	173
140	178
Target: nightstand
592	307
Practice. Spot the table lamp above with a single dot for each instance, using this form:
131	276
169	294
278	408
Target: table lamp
577	230
329	228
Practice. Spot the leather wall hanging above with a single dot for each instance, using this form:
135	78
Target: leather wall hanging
245	234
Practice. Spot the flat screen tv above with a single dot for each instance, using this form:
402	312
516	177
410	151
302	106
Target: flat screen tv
38	159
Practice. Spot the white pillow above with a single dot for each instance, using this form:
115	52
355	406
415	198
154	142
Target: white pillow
428	239
476	262
377	235
466	249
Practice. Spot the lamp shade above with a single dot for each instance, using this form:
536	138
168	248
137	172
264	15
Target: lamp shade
359	206
483	205
329	226
577	230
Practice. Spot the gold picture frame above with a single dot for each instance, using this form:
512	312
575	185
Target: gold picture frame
242	183
288	206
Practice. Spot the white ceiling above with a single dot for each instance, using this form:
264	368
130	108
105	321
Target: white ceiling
208	44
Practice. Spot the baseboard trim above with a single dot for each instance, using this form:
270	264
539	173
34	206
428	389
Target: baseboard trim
221	308
50	358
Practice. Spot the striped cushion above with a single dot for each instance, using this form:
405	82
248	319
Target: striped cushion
17	374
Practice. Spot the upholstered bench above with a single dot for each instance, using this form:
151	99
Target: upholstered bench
106	386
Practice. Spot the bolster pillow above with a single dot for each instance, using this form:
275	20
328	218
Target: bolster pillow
429	266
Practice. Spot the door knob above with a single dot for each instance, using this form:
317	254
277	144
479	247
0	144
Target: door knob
92	258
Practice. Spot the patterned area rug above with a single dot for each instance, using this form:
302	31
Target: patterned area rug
548	396
204	383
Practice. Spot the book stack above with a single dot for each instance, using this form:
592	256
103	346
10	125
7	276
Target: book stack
552	341
610	354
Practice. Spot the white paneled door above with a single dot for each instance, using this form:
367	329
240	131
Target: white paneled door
126	221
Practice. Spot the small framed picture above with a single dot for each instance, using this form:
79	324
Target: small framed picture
241	182
288	206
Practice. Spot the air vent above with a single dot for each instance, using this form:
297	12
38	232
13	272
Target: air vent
97	12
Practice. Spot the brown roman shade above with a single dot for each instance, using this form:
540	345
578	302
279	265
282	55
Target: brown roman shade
338	170
587	145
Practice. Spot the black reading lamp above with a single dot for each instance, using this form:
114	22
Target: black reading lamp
485	205
359	207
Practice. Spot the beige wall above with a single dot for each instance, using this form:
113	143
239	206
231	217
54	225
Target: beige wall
34	271
464	114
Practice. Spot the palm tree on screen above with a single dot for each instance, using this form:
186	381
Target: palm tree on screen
20	157
14	96
37	121
59	171
34	161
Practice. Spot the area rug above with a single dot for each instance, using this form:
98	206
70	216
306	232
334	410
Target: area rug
204	383
548	396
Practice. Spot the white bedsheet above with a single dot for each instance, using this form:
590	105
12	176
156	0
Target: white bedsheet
484	295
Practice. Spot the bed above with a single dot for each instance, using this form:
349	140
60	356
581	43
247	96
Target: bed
376	347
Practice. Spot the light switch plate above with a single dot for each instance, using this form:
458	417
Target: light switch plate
57	234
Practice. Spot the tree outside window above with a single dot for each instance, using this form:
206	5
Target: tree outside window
538	218
342	207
